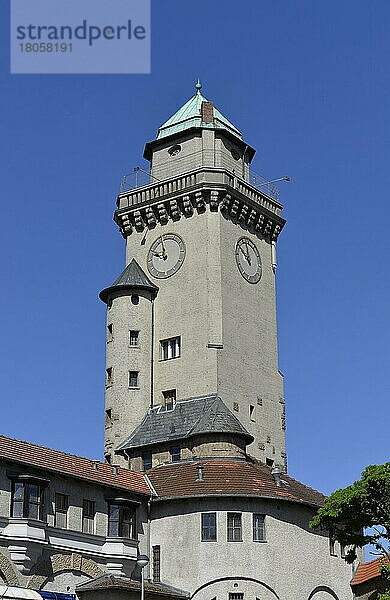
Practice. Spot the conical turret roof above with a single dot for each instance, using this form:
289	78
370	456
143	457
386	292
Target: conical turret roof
132	278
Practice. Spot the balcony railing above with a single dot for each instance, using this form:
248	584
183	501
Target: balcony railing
140	178
203	177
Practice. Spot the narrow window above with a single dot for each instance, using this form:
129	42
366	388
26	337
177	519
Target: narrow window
146	460
61	511
258	528
175	453
156	562
121	521
169	398
252	412
133	379
209	527
26	500
234	528
88	516
170	348
108	421
133	337
332	546
110	329
109	376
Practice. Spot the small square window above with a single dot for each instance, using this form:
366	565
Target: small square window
133	379
109	376
258	528
169	399
170	348
61	504
234	527
110	332
133	337
209	527
175	453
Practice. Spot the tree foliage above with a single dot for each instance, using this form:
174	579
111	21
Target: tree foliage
360	514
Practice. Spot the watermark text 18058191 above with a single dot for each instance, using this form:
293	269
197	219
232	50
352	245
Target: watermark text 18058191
80	36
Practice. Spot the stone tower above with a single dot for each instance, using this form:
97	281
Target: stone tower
191	322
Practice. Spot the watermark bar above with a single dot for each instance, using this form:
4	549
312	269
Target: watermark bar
80	36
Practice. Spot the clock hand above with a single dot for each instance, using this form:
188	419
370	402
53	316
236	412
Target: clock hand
164	252
246	254
248	258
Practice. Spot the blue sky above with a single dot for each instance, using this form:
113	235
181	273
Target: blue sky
308	85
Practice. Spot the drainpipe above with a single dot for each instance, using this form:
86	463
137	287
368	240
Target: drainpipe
274	261
152	360
149	539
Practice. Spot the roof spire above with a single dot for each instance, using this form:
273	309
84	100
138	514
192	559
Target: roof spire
198	86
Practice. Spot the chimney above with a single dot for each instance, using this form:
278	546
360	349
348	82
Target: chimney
277	473
95	464
115	469
207	112
200	473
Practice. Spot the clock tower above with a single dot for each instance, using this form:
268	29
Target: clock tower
192	364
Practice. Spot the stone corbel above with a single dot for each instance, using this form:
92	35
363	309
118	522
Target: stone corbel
251	218
276	232
224	206
260	223
150	217
268	229
188	209
138	221
163	216
174	208
214	194
200	202
243	213
234	207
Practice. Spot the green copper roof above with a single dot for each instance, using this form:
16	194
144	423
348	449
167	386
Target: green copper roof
189	115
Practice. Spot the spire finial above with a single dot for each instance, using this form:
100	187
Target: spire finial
198	86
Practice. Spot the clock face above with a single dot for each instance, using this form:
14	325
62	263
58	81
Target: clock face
166	255
248	260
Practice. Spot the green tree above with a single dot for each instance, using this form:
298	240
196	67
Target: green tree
360	514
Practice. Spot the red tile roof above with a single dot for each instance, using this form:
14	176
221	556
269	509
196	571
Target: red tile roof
73	466
228	477
369	570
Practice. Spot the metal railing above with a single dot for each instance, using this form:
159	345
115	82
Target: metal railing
139	177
